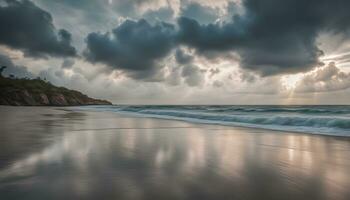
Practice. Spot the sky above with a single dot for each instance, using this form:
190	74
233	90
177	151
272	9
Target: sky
183	51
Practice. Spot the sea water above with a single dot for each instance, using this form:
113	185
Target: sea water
316	119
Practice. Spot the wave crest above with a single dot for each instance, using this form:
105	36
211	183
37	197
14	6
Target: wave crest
330	120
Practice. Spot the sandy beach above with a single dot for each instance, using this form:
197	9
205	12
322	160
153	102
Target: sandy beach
58	153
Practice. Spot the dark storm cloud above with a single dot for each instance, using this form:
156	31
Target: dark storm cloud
12	69
271	37
134	46
183	58
208	37
29	28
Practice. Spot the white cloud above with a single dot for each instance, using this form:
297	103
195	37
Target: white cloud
325	79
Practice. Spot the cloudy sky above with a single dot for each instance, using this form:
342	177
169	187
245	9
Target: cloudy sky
183	51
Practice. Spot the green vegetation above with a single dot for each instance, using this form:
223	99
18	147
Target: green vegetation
24	91
35	86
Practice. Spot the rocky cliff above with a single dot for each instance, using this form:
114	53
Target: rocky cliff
37	92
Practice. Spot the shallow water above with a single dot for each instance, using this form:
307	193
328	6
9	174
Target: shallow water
56	154
322	119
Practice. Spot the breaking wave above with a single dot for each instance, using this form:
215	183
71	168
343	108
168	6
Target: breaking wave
328	120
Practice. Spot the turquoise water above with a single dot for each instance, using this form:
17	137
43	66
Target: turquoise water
326	120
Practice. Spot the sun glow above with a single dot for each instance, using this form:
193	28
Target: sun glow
69	72
290	81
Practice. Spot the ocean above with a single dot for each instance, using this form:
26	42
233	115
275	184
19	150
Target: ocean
315	119
93	153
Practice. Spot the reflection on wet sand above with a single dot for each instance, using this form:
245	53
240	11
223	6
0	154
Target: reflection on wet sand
91	158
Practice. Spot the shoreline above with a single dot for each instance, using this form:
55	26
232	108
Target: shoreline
139	115
194	121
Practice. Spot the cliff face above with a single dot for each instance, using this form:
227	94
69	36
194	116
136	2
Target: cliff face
24	92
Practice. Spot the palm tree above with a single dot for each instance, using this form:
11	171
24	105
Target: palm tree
2	69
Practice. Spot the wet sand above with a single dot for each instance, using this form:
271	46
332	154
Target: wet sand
54	153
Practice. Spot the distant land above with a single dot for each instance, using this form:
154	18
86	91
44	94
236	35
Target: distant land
38	92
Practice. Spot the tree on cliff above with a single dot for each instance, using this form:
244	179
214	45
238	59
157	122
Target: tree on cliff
2	69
